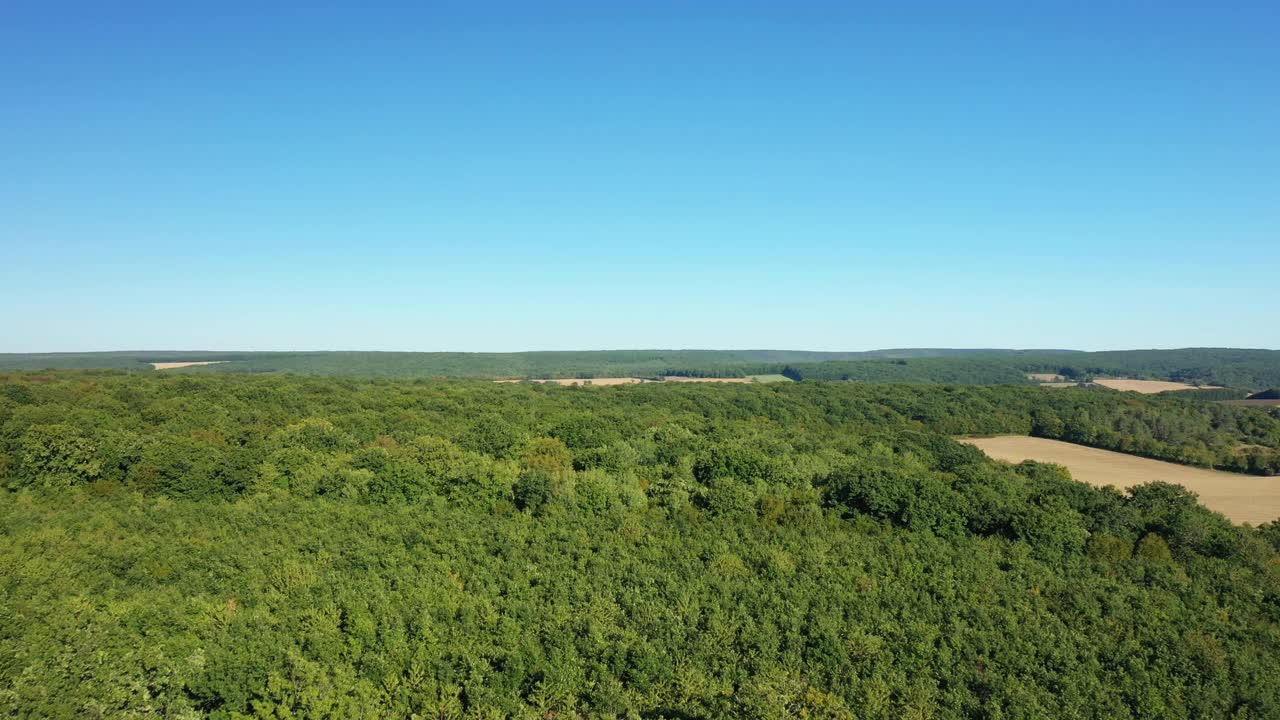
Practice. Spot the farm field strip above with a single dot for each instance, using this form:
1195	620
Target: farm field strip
174	365
770	378
675	378
1242	498
1148	386
581	381
635	380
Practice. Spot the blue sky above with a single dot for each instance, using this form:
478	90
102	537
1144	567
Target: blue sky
556	175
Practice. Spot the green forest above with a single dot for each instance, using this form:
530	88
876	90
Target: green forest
1242	370
243	545
977	370
552	364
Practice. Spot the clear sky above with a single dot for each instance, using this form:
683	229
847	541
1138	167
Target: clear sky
590	175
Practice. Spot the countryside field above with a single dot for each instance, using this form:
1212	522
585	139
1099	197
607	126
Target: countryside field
606	381
176	365
1240	497
1148	386
591	381
770	378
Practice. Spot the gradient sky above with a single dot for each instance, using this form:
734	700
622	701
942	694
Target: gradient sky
588	175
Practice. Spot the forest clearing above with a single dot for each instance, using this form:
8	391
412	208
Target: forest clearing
174	365
1243	498
1149	386
632	380
593	381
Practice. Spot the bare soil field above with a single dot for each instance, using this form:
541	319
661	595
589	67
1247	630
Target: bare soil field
1045	377
172	365
1243	498
1148	386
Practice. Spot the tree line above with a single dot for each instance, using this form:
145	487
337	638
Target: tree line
1243	369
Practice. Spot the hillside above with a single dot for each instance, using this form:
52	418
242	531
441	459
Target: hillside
1234	368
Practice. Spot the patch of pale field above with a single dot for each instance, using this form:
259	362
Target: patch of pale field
1149	386
1058	384
1242	498
582	381
172	365
628	380
596	381
1045	377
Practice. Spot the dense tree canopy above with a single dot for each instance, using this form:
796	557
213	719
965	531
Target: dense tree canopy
962	370
229	545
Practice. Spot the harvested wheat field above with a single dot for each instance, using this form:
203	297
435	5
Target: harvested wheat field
1243	498
583	381
1149	386
596	381
628	380
172	365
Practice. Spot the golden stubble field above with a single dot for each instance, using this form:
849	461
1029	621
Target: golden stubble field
627	380
1243	498
583	381
1148	386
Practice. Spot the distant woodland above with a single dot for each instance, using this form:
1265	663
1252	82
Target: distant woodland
1245	370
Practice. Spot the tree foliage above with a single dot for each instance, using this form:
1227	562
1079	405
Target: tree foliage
1234	368
285	546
